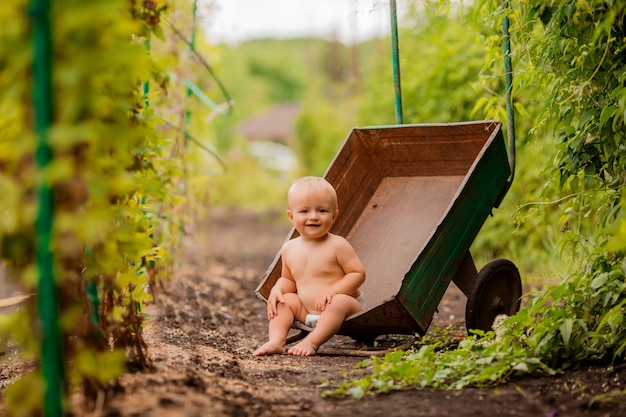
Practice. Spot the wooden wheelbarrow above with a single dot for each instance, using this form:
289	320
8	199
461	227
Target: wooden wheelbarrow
412	198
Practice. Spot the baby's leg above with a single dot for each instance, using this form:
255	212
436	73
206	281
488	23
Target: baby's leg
279	326
328	325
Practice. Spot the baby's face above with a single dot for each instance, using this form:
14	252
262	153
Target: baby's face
312	213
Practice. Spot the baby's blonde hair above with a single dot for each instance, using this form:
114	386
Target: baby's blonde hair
312	184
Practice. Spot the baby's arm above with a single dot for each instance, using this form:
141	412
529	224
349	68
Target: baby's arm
353	268
284	284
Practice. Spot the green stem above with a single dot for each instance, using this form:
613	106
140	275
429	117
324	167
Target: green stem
192	47
229	101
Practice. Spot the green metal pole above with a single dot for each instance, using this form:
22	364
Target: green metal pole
508	86
396	62
192	47
51	358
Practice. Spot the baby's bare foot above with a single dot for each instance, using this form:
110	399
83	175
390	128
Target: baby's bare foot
270	348
304	348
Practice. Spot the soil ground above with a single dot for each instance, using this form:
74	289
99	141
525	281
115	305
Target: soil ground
206	322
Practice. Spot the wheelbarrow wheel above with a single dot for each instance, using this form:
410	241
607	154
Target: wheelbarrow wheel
496	290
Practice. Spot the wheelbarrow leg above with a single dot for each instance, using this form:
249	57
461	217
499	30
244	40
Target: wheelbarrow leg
304	330
466	274
296	337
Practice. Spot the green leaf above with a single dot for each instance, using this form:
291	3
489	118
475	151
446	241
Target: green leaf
606	114
566	332
599	281
25	394
158	32
356	392
590	170
521	367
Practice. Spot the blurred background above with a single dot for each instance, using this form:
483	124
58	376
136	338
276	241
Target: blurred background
303	74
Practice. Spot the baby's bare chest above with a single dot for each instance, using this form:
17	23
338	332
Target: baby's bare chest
314	264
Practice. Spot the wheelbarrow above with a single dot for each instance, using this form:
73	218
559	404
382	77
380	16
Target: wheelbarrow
412	199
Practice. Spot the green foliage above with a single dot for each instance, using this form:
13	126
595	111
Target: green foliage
440	61
569	84
25	395
265	72
320	131
118	176
248	184
581	48
570	54
282	86
475	361
578	321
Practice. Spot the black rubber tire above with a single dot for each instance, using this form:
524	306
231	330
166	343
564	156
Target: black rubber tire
367	340
496	290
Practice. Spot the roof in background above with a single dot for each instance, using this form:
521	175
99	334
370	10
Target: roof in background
276	124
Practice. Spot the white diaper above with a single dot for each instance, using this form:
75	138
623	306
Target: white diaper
311	319
361	299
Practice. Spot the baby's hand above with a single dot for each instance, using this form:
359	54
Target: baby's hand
276	296
323	300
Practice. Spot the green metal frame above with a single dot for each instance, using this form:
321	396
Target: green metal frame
508	86
443	254
395	58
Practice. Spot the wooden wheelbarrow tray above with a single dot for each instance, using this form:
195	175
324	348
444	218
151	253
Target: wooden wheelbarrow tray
412	198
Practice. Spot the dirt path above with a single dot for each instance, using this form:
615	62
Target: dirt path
207	321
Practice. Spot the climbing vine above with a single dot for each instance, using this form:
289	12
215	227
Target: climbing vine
117	185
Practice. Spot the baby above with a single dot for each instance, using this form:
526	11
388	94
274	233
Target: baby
321	272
